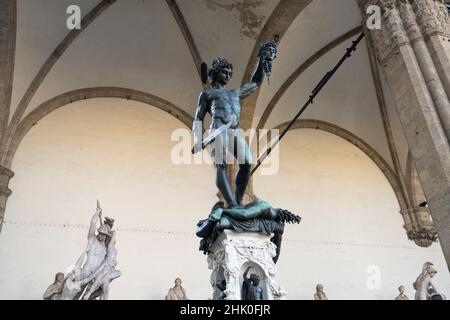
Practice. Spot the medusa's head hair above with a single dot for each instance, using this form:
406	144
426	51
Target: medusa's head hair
268	49
217	65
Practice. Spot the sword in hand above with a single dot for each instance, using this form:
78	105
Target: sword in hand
211	137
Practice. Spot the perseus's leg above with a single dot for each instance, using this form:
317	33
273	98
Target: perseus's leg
223	184
242	153
219	155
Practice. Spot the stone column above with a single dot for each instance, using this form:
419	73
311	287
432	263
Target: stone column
410	46
5	176
8	18
7	53
436	31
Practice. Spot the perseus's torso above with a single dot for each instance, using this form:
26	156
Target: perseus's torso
224	105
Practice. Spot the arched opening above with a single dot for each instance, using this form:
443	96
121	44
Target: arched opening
14	140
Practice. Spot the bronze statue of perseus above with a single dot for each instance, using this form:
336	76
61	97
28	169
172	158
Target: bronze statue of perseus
224	107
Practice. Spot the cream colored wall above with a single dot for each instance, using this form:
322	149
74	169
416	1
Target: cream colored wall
351	222
119	152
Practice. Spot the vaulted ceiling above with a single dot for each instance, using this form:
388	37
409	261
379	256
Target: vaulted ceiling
155	47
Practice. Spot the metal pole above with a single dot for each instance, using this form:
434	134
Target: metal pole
313	94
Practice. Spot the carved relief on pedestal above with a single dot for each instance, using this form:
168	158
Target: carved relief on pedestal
234	252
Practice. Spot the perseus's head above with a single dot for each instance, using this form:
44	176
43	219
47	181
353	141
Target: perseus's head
220	72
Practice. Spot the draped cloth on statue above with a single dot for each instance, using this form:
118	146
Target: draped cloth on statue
258	216
263	226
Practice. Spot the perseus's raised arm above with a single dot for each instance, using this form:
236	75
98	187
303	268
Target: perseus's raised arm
250	87
200	113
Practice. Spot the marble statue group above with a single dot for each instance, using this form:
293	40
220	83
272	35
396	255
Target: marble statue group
94	270
423	285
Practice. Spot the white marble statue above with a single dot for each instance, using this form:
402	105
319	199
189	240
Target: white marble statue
96	249
320	294
106	273
74	285
424	283
95	268
402	295
54	290
177	292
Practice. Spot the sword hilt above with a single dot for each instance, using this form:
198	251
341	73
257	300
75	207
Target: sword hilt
204	145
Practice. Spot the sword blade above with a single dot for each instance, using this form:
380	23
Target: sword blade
210	138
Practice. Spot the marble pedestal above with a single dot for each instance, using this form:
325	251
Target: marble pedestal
232	253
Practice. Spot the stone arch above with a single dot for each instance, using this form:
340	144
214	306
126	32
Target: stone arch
88	93
48	65
360	144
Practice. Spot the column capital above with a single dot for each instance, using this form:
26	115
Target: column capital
404	21
425	233
424	237
5	175
432	16
391	35
6	172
